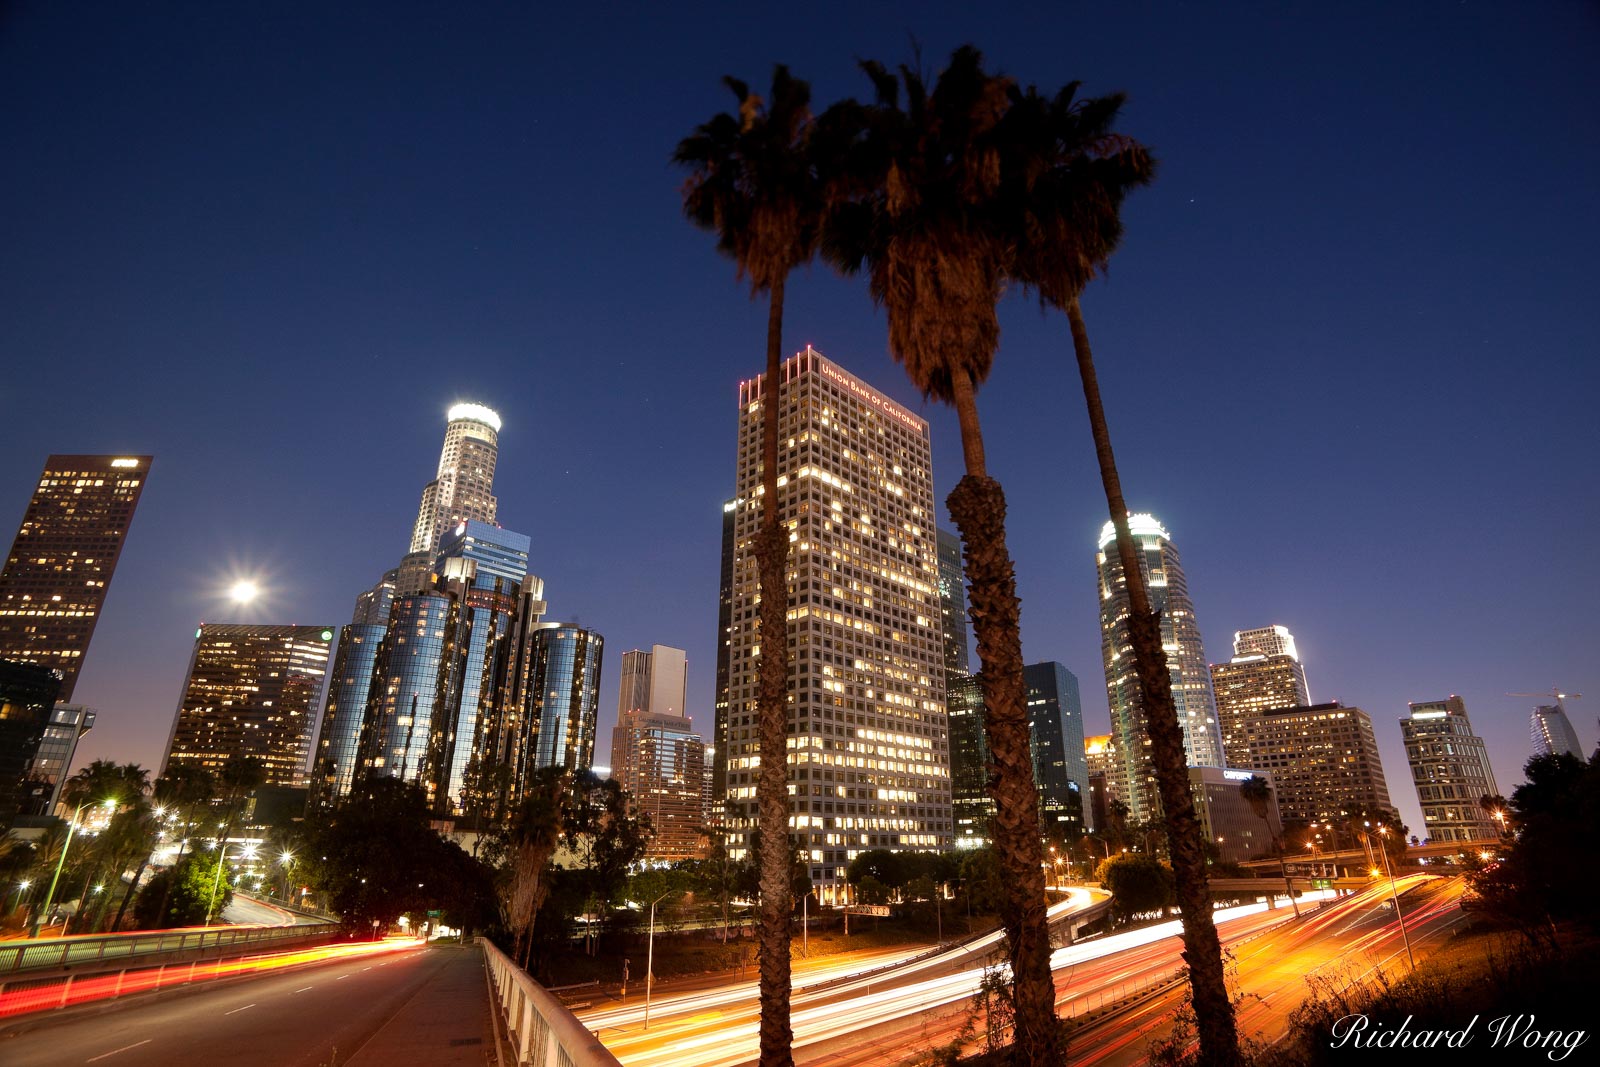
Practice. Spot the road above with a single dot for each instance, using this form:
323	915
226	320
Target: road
310	1016
889	1017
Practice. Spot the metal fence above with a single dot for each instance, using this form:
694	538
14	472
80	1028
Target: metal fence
543	1032
19	956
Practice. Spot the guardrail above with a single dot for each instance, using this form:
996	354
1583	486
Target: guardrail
543	1032
59	953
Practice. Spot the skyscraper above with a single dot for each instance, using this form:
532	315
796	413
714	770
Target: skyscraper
449	702
1323	759
1265	673
1108	776
564	697
655	754
870	758
952	605
717	767
1186	660
60	567
252	691
68	724
354	660
1055	729
462	489
1451	772
1552	732
654	682
971	805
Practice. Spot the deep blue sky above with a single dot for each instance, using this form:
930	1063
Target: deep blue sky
1348	346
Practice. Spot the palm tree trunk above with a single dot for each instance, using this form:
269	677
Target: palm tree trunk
978	506
1202	951
772	790
127	897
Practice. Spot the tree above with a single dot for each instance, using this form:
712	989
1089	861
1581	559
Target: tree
754	184
914	203
376	857
607	838
1068	173
1138	884
529	843
1257	792
191	892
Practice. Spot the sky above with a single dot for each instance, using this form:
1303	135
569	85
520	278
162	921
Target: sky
1348	346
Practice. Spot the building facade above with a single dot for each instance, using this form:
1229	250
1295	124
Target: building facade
1060	769
1322	758
716	766
1451	772
1227	820
564	698
27	697
870	763
971	805
1552	733
68	724
660	762
462	489
1265	673
55	580
251	691
1186	660
656	681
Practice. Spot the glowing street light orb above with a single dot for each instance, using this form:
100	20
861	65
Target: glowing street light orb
243	591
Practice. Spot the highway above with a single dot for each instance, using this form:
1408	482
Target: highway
888	1016
309	1016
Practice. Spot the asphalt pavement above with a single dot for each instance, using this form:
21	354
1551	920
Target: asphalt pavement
427	1005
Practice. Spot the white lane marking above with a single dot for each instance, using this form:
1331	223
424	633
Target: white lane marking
341	978
238	1009
114	1051
366	968
302	989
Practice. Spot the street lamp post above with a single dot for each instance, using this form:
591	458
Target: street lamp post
650	958
49	897
1398	914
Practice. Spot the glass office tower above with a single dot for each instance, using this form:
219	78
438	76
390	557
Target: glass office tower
564	698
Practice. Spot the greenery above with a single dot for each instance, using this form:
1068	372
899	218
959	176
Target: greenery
1139	884
186	894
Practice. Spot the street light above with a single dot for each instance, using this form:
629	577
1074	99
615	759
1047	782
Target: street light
1398	914
248	852
650	958
49	898
287	859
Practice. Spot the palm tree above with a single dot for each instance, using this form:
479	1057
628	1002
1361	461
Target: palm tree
1068	173
1257	792
915	205
753	183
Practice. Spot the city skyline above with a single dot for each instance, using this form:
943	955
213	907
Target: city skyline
1315	545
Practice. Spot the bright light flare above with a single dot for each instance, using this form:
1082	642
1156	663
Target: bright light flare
244	591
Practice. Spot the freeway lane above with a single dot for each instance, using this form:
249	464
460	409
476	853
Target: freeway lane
307	1017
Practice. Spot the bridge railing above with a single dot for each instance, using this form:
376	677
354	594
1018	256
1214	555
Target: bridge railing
543	1032
57	953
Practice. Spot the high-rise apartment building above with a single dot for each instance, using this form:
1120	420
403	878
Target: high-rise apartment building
1323	759
462	489
1552	732
252	691
564	697
55	579
1265	673
1055	734
1450	769
1186	660
870	762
